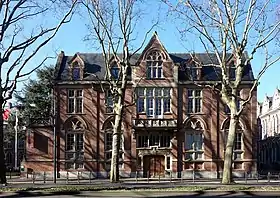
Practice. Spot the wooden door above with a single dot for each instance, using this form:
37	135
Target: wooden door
153	165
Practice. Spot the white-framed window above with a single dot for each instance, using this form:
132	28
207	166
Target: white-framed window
108	142
75	101
194	145
109	101
194	101
160	139
154	101
154	63
168	162
74	144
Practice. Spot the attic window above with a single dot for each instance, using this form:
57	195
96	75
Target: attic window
76	71
115	71
154	65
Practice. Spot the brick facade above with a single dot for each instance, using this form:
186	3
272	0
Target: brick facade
144	136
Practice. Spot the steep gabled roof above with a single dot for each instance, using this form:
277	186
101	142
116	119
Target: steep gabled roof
95	69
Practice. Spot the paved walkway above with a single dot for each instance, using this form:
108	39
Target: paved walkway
145	194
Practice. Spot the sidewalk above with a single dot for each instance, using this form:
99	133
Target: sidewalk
131	183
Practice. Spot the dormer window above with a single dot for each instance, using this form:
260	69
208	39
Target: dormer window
193	69
115	71
76	71
154	63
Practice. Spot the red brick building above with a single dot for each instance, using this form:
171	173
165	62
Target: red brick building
174	128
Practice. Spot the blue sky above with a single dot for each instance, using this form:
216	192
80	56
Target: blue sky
70	39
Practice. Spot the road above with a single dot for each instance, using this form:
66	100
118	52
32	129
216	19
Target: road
146	194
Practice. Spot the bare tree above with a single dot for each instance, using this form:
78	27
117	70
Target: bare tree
236	30
113	24
19	44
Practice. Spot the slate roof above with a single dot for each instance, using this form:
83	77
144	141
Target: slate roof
95	69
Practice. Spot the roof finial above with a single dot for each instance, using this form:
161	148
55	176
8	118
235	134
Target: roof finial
155	33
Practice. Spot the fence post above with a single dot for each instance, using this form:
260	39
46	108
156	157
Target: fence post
78	175
136	176
44	177
245	175
90	177
193	175
257	177
268	177
170	176
67	177
182	174
33	177
10	173
148	172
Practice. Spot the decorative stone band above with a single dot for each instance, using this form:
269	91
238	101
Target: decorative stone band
154	151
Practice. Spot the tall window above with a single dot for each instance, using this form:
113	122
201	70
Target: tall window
108	142
74	151
154	65
109	102
238	142
194	101
75	101
194	141
154	101
193	146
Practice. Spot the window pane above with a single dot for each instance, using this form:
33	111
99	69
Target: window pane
189	156
149	92
166	105
159	72
189	142
168	162
70	144
79	93
197	93
70	93
197	105
76	73
190	105
158	107
70	105
140	92
154	72
79	105
140	105
190	93
80	142
166	92
158	92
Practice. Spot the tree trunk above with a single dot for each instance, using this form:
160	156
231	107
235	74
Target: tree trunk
2	155
114	172
227	172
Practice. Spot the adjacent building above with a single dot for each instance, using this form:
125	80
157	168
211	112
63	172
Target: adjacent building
170	125
268	123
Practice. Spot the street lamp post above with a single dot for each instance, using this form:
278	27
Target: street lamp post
16	140
54	141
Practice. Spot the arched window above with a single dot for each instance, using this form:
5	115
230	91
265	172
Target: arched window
115	70
238	148
154	63
108	146
74	150
194	141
